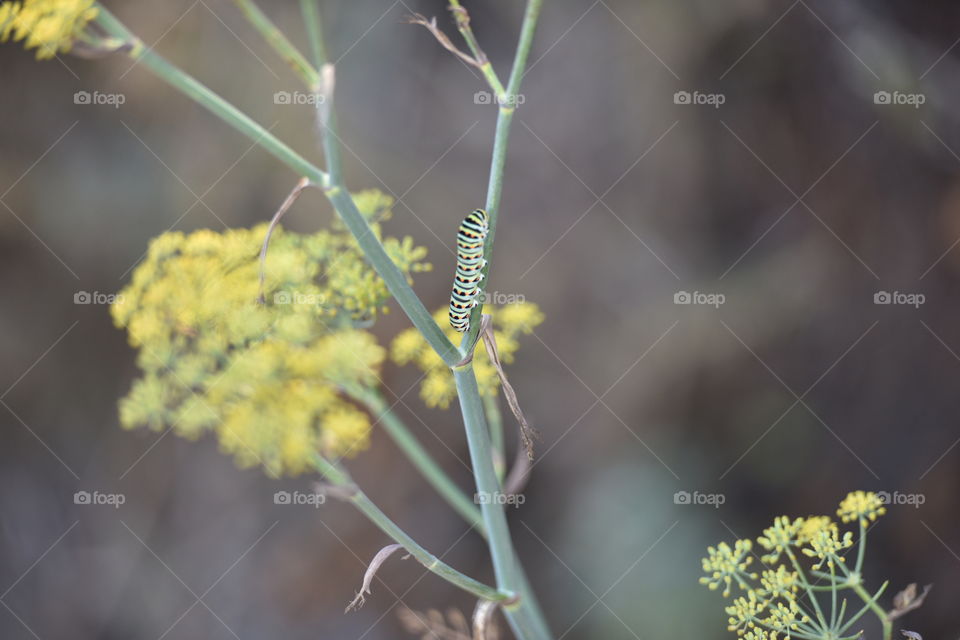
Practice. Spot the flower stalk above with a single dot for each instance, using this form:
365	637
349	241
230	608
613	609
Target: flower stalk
276	39
339	478
417	455
498	160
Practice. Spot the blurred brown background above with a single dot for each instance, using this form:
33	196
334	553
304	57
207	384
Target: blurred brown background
799	198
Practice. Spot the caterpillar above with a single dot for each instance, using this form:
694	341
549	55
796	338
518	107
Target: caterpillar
466	283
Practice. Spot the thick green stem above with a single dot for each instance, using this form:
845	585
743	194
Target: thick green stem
491	405
417	455
395	280
276	39
341	479
525	619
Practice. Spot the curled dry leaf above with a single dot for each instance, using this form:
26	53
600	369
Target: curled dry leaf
371	572
908	600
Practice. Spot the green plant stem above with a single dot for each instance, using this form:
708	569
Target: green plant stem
276	39
417	455
871	602
498	159
491	406
806	585
462	18
314	25
833	599
341	479
325	107
849	623
524	616
395	280
861	548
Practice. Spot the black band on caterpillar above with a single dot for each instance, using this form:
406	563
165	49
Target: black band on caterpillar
471	240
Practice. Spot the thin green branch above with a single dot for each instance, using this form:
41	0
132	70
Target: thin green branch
806	585
314	24
276	39
341	480
871	602
499	156
849	623
326	109
417	455
861	547
394	279
462	18
198	92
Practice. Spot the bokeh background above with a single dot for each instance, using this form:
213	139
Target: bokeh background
798	199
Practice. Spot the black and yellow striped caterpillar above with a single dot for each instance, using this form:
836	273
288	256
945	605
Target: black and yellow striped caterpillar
470	262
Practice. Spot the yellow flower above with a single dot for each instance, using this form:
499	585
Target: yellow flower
812	525
744	613
346	432
724	564
780	583
520	318
50	26
8	13
265	376
406	346
777	538
437	388
785	617
862	506
826	545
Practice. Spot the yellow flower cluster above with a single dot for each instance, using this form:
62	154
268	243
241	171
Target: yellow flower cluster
827	544
263	373
438	389
770	607
50	26
724	565
862	506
